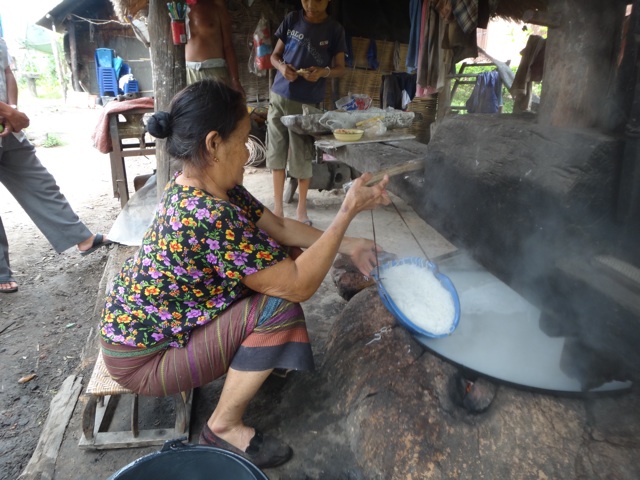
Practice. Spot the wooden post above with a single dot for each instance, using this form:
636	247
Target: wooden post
169	77
73	51
579	59
56	57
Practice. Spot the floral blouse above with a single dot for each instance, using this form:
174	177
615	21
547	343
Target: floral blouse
188	268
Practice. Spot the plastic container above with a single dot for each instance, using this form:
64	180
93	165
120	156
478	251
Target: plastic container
348	134
178	32
397	313
177	460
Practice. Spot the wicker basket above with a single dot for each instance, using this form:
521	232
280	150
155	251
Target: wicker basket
427	108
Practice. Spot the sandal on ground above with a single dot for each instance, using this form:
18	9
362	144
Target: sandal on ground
264	451
9	289
98	242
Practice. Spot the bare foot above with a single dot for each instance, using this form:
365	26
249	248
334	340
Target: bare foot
8	287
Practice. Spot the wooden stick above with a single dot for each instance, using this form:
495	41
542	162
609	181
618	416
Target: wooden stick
410	166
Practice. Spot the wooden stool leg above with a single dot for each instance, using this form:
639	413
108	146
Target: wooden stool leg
183	402
135	430
88	417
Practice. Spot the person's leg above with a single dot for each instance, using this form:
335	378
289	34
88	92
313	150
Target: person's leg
7	283
279	179
301	167
303	189
277	149
226	420
36	191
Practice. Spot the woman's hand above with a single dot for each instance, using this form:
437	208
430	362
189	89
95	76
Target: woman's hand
360	197
363	254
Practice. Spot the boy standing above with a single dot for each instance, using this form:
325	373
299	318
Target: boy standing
310	49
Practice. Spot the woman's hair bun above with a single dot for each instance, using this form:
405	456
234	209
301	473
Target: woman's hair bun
159	125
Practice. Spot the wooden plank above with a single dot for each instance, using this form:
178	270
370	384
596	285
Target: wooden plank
328	142
43	461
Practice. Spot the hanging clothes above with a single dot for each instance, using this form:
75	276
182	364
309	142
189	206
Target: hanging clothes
397	90
487	94
466	14
415	15
372	55
530	70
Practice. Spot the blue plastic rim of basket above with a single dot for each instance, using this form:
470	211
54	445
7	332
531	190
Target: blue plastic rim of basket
397	313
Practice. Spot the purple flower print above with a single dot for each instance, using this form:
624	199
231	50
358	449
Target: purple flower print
239	258
190	304
218	301
157	336
176	330
174	198
193	241
164	314
195	273
201	213
213	244
250	270
108	330
194	313
154	273
147	248
179	271
192	203
211	258
118	339
176	224
170	211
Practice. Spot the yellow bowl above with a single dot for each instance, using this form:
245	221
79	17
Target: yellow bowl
348	134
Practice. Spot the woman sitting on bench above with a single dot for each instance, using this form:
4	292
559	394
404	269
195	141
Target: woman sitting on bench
215	289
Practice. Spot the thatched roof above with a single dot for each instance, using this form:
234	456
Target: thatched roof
514	9
509	9
124	8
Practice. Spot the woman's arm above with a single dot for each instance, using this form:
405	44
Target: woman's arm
297	280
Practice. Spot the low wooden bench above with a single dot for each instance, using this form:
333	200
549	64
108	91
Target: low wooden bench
104	394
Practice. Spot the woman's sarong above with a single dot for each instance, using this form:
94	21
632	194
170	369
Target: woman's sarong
257	333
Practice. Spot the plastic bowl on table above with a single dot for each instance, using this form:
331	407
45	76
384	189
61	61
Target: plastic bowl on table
397	313
348	134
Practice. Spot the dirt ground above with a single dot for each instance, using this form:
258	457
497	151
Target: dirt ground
44	326
47	323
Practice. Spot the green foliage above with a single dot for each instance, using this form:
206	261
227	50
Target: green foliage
52	140
37	76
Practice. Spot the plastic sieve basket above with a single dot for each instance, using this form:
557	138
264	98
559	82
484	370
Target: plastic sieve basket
397	313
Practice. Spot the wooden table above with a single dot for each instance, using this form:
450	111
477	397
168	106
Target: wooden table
131	128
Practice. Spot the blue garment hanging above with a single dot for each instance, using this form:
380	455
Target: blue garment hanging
487	94
348	56
415	15
372	55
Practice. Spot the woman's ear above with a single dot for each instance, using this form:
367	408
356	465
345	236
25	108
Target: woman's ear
212	141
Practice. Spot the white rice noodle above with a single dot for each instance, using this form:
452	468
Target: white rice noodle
420	297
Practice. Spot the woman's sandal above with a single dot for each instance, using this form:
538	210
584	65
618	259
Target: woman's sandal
264	451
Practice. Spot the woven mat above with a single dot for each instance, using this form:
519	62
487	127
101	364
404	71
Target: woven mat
101	382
